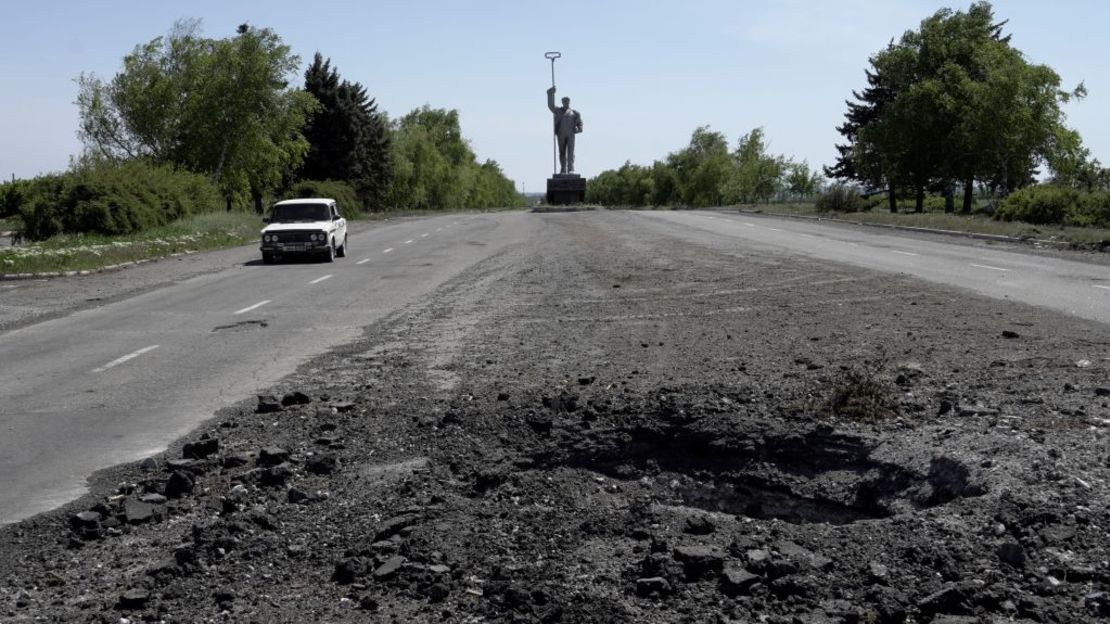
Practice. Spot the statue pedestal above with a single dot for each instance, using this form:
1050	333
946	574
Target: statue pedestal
566	188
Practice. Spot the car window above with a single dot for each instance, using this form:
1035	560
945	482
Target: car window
299	212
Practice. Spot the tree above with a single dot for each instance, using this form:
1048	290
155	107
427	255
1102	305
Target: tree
348	138
700	169
951	101
858	160
216	106
801	181
756	175
435	169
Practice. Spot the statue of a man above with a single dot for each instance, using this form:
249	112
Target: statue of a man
567	124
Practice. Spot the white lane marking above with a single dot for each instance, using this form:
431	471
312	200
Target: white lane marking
424	235
992	268
807	235
408	241
253	307
363	261
750	224
320	279
129	356
904	253
387	250
774	229
439	229
1102	287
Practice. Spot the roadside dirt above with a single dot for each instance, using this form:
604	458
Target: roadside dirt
604	425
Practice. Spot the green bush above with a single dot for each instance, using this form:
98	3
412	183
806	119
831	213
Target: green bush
1093	212
112	198
11	197
1042	204
840	198
344	194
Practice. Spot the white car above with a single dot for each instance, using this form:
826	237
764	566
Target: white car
308	227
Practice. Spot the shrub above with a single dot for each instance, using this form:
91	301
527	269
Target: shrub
113	198
11	197
1093	212
344	194
840	198
1042	204
860	393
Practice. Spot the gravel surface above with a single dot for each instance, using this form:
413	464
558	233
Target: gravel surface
607	425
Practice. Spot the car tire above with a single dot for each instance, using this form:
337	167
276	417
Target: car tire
342	251
330	257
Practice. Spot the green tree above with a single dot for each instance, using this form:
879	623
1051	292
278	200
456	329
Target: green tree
700	169
952	101
216	106
756	175
435	168
348	138
801	181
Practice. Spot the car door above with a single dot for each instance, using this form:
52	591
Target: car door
340	224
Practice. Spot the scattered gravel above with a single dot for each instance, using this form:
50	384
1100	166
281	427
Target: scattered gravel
531	444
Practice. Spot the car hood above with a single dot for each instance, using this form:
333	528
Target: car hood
300	226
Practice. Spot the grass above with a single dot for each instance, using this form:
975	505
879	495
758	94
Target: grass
70	252
974	223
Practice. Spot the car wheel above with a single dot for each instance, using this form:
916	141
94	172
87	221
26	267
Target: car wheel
331	253
267	258
342	251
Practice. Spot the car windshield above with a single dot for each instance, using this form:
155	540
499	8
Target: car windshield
300	212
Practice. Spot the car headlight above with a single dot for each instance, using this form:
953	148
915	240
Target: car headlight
267	238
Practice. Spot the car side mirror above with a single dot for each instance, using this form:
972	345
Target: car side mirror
336	218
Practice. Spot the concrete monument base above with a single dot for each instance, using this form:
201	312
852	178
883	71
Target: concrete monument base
566	188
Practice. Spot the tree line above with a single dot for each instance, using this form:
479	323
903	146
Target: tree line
954	104
225	109
951	108
707	173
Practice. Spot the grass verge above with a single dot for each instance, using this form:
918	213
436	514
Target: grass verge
977	224
76	252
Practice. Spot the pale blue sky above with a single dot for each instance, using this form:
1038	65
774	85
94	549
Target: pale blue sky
643	73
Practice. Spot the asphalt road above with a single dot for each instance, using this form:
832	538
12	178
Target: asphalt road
120	382
1077	288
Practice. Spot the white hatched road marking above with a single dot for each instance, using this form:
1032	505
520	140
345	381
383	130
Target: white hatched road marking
750	224
992	268
904	253
320	279
1102	287
363	261
253	307
387	250
424	235
408	241
129	356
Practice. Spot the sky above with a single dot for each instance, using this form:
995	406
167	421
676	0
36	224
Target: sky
642	73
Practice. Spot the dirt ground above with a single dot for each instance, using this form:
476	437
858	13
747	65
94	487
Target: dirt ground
607	425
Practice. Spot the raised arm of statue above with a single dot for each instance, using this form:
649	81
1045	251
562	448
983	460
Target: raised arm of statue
551	100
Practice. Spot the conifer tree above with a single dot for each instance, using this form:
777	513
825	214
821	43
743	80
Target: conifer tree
348	138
